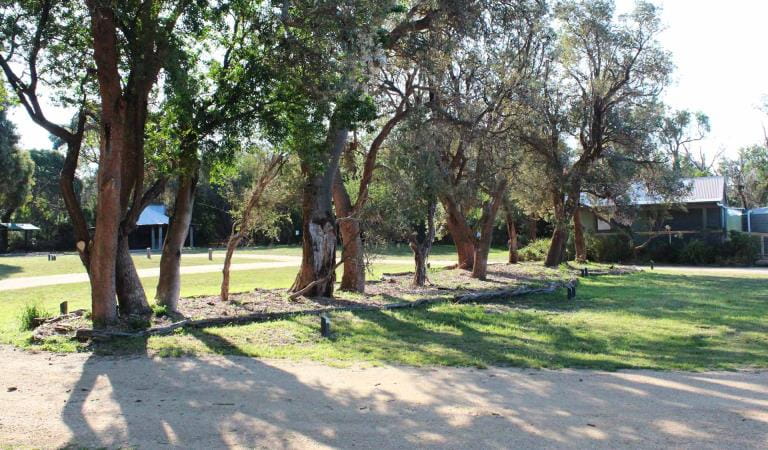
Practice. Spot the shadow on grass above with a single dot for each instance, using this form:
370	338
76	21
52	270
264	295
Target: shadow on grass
6	270
649	320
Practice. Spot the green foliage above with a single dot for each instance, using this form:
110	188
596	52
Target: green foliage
697	252
608	248
160	310
535	251
16	169
27	315
740	249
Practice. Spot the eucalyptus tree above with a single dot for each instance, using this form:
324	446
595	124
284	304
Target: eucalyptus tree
409	183
16	169
223	93
471	94
605	74
331	51
396	94
679	130
45	45
747	173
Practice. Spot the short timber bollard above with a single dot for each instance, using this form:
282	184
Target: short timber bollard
210	254
651	264
325	326
571	291
51	257
63	308
149	253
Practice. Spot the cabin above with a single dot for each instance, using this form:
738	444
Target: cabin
702	211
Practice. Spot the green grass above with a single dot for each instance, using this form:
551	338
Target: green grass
33	266
649	320
653	320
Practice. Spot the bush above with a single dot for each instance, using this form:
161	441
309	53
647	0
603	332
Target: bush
28	315
739	249
697	252
160	310
608	248
535	251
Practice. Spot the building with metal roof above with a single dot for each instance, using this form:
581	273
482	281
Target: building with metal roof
701	208
151	228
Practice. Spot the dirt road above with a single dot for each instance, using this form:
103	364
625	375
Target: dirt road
50	400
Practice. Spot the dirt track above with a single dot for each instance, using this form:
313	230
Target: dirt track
216	402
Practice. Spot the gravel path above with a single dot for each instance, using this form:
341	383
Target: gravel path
50	400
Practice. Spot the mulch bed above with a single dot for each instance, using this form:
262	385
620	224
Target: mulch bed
264	304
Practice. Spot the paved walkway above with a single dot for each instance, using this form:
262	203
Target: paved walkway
84	400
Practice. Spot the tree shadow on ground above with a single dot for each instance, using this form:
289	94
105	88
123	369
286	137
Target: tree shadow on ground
234	401
6	270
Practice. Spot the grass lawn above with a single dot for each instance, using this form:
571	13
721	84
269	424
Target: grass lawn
654	320
32	266
650	320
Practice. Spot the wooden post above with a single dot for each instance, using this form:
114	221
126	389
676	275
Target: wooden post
325	326
210	254
63	308
149	253
160	241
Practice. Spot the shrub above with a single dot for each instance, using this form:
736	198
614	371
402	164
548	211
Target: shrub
535	251
698	252
28	315
160	310
608	248
740	249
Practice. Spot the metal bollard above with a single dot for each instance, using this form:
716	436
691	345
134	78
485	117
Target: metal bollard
210	254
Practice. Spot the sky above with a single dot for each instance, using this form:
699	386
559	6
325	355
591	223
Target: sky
721	70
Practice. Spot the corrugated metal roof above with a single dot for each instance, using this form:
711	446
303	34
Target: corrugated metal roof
19	226
699	190
763	210
153	215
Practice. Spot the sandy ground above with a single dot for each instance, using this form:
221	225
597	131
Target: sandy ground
217	402
276	262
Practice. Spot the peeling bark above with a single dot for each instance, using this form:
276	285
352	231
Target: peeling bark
318	260
353	278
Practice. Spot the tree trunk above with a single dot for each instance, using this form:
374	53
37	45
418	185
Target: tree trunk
131	298
353	277
512	242
318	262
533	224
71	201
460	232
578	238
421	248
169	284
4	232
487	219
232	243
557	247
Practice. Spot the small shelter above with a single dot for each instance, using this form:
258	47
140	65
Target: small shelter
26	228
151	228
